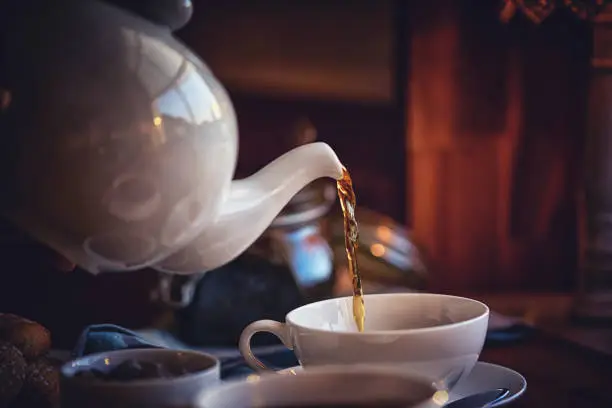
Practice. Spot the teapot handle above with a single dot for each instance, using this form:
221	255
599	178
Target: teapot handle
172	13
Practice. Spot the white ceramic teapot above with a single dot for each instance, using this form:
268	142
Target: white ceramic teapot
119	146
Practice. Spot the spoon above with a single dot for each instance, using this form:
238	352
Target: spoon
481	400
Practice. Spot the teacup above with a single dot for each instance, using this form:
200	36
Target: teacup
354	386
203	371
436	336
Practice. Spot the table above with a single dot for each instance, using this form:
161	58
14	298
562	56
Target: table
566	365
559	373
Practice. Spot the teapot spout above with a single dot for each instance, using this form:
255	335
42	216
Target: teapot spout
251	206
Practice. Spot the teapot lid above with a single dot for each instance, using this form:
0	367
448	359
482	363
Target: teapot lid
171	13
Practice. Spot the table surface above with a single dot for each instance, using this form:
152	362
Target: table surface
560	373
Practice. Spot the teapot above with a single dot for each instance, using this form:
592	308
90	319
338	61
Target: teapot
119	145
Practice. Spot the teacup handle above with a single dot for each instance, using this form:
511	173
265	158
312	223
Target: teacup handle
280	330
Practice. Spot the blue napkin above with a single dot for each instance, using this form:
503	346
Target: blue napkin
512	334
108	337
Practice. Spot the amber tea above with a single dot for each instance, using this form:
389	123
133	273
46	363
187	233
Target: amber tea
346	194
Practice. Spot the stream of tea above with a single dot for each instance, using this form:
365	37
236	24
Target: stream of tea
346	194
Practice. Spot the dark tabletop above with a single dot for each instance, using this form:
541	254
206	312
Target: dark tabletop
559	373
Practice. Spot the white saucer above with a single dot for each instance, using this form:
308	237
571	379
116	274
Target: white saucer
484	377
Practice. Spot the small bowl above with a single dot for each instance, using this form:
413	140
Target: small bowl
77	392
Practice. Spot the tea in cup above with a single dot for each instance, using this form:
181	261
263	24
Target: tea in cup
436	336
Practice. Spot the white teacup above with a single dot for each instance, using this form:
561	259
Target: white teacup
439	337
359	386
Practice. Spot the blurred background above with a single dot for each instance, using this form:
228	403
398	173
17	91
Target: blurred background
463	134
460	127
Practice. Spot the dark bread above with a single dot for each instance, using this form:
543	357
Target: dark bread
12	373
31	338
40	387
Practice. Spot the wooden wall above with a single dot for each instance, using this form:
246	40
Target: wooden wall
480	153
332	61
493	146
323	49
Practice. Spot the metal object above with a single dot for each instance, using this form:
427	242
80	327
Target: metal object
309	239
296	237
175	291
387	252
481	400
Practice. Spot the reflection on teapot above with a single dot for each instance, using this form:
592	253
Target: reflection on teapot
120	145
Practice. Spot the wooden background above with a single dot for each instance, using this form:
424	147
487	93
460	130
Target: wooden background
468	130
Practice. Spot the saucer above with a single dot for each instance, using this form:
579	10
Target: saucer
487	376
483	377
